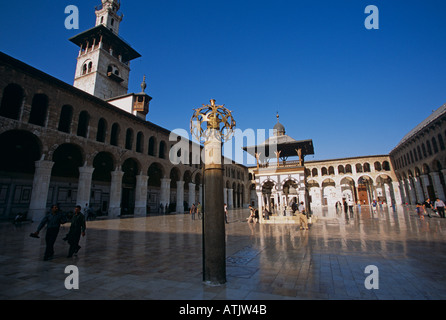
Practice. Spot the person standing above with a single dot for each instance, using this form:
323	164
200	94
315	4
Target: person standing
439	205
77	228
350	207
226	213
302	217
199	210
192	211
53	220
427	207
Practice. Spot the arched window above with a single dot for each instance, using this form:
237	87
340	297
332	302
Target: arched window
151	148
39	109
102	128
314	172
162	151
358	167
341	169
12	101
331	170
114	135
129	139
434	144
348	168
424	150
82	126
440	141
139	142
66	115
324	171
429	148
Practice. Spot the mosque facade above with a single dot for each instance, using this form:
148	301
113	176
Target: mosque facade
91	144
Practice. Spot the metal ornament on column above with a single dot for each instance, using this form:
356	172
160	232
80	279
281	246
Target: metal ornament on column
219	128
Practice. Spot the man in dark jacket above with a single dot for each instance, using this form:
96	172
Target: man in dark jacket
53	220
76	229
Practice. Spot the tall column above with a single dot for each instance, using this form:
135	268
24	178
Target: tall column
39	194
418	189
180	196
260	206
141	195
114	209
230	198
396	192
439	192
165	193
225	196
192	194
200	193
84	186
426	183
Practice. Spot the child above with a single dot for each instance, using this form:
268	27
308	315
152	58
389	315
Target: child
420	211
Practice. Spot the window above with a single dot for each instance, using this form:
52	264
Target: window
162	150
39	109
151	148
139	142
440	141
11	101
82	126
102	128
114	135
129	139
65	118
434	144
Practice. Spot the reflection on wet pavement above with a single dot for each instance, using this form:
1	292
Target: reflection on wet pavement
160	257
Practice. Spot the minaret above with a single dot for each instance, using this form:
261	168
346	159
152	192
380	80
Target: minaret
107	15
103	63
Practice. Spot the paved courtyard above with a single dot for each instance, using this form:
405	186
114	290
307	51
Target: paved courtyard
160	257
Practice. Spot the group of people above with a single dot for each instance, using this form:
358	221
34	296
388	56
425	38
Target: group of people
427	207
53	221
300	209
196	209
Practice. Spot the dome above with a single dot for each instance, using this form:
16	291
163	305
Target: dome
279	129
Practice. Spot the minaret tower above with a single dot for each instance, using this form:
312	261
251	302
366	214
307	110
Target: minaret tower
103	63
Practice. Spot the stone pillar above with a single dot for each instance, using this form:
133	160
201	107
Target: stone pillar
225	196
425	179
180	196
200	194
439	192
214	235
230	198
41	183
418	189
397	193
114	209
192	194
141	195
260	206
165	193
84	186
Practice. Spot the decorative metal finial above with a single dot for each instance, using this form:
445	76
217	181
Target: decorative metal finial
214	116
143	84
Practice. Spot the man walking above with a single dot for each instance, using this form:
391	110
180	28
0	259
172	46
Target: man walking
302	217
439	205
53	220
76	229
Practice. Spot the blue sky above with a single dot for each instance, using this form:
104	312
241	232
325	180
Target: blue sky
353	91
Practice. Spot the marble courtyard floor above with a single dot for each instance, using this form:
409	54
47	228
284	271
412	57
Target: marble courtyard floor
160	257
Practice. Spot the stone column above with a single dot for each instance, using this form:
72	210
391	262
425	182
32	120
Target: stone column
418	189
439	192
180	196
225	196
165	193
230	198
426	183
200	194
39	194
84	186
397	193
114	209
192	194
260	206
141	195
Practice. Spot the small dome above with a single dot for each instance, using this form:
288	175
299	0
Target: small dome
279	129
